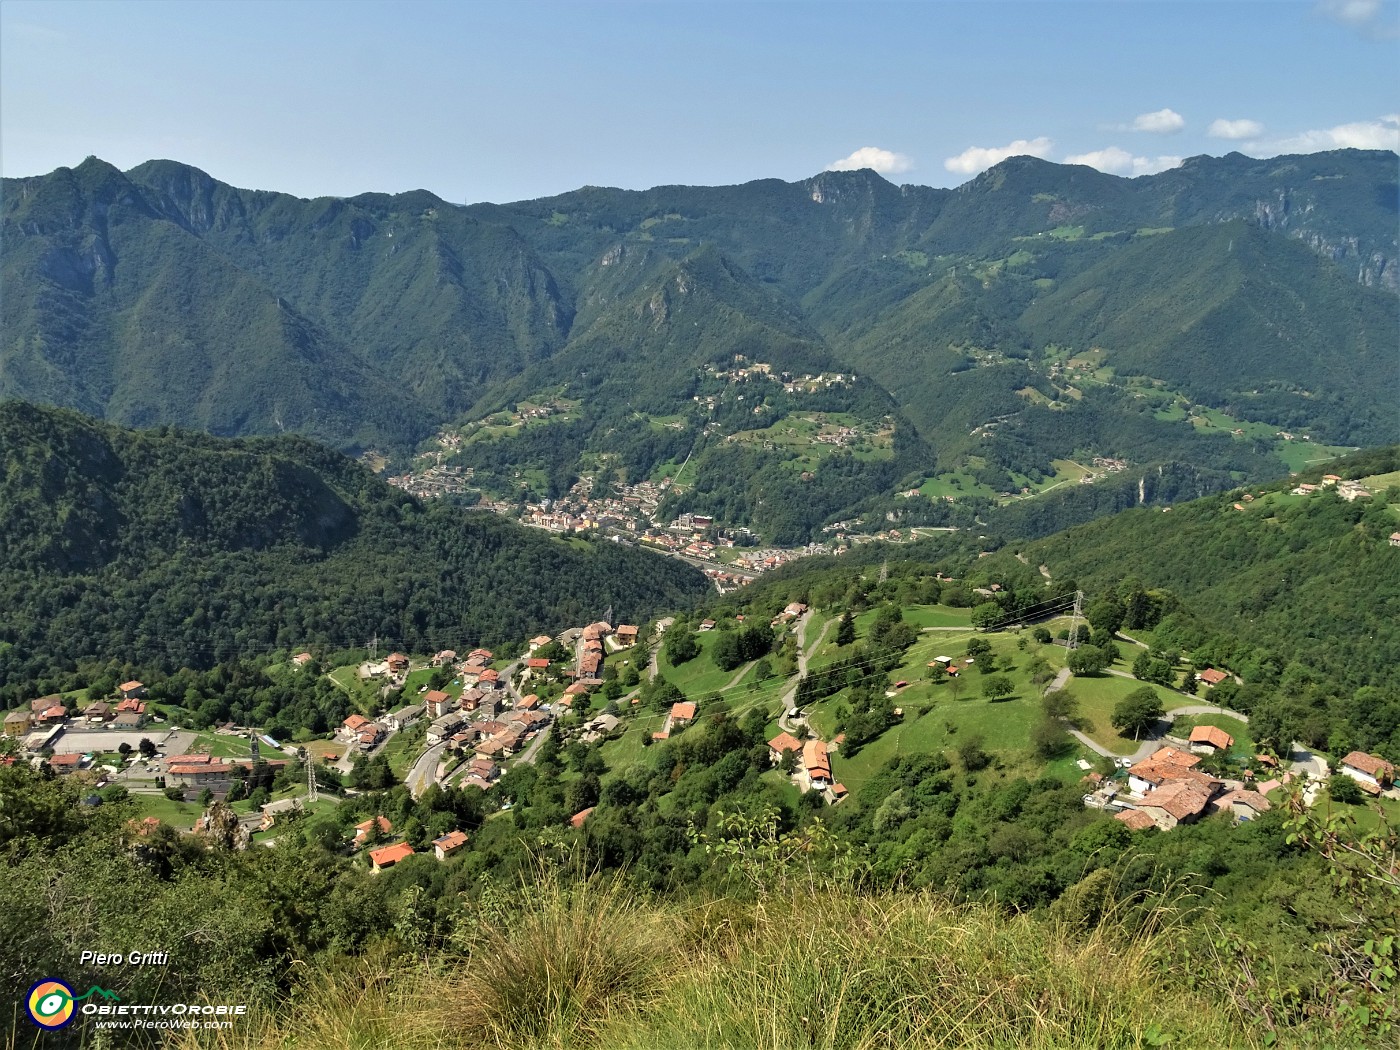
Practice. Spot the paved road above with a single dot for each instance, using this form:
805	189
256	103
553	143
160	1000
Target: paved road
424	771
803	653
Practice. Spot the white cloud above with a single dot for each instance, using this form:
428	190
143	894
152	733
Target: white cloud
1383	133
979	158
1362	16
1117	161
1350	12
881	160
1235	129
1160	122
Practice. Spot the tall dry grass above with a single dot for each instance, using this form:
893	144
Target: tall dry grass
590	967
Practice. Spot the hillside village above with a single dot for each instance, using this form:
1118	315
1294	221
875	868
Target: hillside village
491	712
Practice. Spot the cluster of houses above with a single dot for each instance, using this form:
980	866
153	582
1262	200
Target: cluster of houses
444	846
1167	788
811	765
128	712
1348	490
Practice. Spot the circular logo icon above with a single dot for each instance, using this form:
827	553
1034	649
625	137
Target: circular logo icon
51	1003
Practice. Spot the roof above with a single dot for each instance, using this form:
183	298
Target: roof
1213	677
683	709
578	818
384	825
537	662
1253	799
1178	798
191	768
451	840
355	722
1212	735
1136	819
1162	764
815	760
1370	764
382	858
126	687
785	742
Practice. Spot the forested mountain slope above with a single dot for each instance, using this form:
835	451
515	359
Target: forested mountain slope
172	549
1024	318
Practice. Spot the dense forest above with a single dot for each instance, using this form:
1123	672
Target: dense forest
165	549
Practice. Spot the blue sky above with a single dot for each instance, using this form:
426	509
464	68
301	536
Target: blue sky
506	101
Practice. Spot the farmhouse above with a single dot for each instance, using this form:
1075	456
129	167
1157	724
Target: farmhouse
1176	802
1159	767
1212	677
817	765
783	743
1207	740
132	691
1371	772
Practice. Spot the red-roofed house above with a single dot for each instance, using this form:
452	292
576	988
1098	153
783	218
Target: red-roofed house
782	744
626	634
132	691
362	831
1157	768
682	714
302	659
388	856
536	663
398	663
578	818
449	844
65	763
817	765
538	641
1176	802
436	703
1212	677
1207	740
1370	771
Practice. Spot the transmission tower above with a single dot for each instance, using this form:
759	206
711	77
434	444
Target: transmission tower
1073	640
311	795
373	648
884	570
